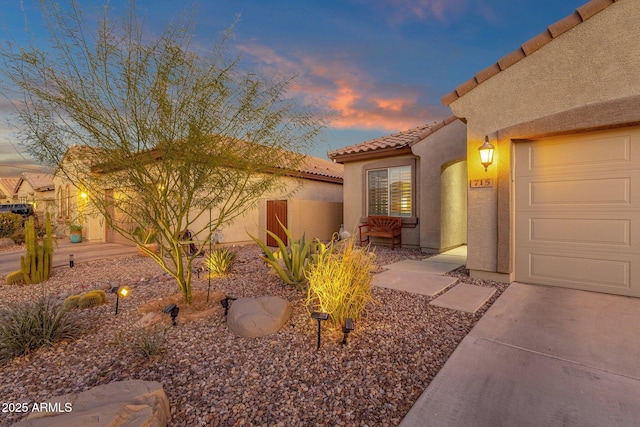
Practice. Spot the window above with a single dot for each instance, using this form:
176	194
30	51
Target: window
64	202
389	191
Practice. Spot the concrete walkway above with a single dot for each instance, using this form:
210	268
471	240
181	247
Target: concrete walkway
541	356
82	252
426	277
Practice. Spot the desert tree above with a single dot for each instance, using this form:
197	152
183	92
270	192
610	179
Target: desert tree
158	130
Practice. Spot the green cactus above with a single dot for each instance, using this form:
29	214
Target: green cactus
85	300
92	299
15	278
37	263
71	302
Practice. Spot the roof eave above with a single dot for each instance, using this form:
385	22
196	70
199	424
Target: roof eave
373	154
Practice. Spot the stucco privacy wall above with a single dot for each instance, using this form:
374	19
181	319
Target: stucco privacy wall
584	79
437	225
311	209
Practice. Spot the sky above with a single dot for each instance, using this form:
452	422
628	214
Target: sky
378	66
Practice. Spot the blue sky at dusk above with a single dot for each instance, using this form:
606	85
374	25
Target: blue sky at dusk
379	66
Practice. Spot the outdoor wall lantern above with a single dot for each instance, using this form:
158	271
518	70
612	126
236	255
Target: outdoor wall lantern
348	327
120	291
319	316
173	311
486	153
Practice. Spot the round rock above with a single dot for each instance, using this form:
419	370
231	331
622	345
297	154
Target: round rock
257	317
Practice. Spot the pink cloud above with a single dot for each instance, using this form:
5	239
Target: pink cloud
352	97
403	10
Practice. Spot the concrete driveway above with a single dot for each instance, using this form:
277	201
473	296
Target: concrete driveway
541	356
82	252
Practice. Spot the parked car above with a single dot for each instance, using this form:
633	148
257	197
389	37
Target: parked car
24	209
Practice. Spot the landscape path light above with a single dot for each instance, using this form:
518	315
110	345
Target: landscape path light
71	263
173	311
120	291
348	327
319	316
226	302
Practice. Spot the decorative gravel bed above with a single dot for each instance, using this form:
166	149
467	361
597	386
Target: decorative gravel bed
213	378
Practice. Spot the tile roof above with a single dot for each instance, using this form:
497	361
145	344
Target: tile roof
38	181
580	15
10	184
390	142
315	166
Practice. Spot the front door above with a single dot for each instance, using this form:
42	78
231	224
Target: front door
276	210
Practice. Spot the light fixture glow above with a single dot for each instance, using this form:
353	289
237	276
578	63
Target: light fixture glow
486	153
120	291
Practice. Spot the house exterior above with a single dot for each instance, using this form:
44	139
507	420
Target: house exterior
37	189
418	175
8	187
562	202
315	208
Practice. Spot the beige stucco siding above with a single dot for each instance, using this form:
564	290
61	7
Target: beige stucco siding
355	187
446	145
432	160
315	209
593	64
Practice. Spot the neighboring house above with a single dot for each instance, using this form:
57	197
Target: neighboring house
37	189
8	189
418	175
315	208
563	112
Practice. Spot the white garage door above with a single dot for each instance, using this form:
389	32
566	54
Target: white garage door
578	211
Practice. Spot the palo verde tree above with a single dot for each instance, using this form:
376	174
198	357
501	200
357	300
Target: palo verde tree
158	132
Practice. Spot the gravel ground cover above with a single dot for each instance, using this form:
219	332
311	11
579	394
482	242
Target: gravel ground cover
213	378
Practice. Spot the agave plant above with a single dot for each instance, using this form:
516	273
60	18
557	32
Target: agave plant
219	261
289	263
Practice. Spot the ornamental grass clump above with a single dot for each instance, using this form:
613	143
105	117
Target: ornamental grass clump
219	261
29	325
148	343
340	282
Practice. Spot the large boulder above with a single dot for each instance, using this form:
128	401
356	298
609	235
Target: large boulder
130	403
257	317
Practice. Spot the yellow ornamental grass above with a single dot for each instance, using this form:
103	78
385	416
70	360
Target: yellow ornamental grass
340	282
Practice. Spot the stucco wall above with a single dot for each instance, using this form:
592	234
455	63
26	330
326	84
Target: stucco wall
315	209
355	209
443	146
592	64
453	185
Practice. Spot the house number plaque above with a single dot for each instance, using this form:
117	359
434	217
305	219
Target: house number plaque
480	183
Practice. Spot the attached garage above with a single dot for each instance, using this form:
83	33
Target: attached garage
577	211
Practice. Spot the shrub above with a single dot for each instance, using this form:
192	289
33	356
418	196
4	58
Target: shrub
18	236
148	343
219	261
10	224
27	326
340	282
289	263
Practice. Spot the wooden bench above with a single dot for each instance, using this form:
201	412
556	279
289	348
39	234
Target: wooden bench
382	226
